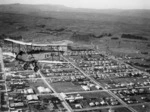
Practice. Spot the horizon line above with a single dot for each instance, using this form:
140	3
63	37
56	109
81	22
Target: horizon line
77	7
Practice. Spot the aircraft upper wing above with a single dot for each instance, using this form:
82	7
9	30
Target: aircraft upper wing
18	42
32	44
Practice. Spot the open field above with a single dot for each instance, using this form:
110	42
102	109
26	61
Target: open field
140	108
66	87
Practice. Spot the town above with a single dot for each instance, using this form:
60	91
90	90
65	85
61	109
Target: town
90	81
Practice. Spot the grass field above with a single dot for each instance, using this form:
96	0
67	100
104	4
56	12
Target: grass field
66	87
140	108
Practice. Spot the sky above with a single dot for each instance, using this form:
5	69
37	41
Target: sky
94	4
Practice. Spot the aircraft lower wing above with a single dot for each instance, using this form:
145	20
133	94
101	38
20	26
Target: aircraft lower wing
46	61
9	54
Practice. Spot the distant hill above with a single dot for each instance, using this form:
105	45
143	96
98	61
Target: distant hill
138	17
37	20
28	9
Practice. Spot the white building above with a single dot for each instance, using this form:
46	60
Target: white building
86	88
42	90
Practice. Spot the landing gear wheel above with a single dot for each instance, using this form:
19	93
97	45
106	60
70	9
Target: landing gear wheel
26	66
34	63
36	68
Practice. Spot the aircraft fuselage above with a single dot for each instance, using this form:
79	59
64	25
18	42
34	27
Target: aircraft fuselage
35	56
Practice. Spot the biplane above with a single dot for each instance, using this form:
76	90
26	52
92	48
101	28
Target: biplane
31	54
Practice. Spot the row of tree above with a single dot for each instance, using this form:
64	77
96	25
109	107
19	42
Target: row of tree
131	36
87	36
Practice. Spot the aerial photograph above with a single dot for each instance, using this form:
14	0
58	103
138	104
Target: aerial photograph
74	55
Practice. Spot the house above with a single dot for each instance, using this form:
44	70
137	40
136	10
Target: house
97	103
30	91
25	91
97	87
78	97
70	98
17	104
91	104
90	84
10	98
111	110
102	102
42	90
47	90
32	98
78	106
86	88
63	95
